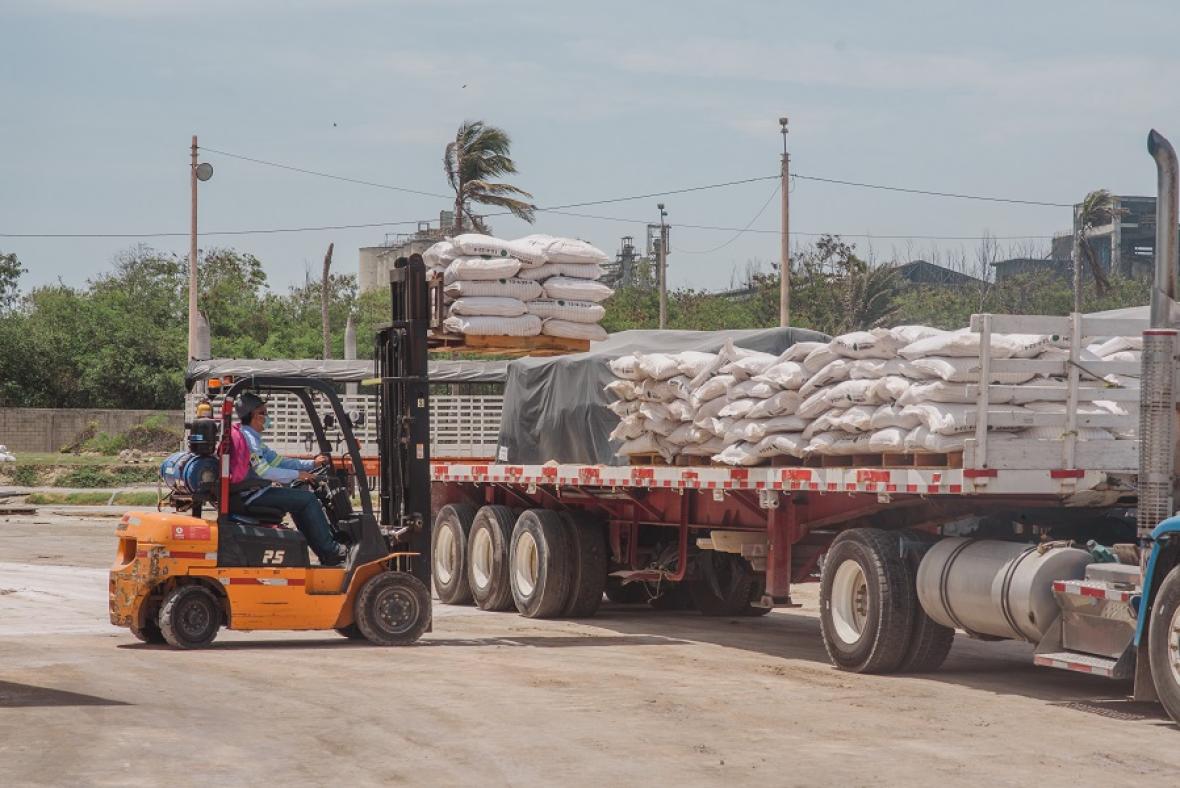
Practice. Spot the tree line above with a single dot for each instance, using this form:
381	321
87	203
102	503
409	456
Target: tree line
119	341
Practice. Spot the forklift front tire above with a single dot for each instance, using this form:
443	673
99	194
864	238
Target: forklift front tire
352	632
393	609
190	617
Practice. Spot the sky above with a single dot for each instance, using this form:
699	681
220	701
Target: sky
1037	101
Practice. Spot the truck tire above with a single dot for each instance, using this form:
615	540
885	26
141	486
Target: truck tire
392	609
487	558
722	584
449	553
930	642
541	565
625	593
866	603
588	540
1163	643
189	617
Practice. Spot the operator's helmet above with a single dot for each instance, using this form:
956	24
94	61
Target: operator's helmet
246	405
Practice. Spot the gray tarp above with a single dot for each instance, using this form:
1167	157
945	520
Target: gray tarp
341	371
556	408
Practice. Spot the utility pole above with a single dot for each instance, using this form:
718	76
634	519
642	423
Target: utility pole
784	293
663	267
192	258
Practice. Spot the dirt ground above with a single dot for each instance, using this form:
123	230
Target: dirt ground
491	698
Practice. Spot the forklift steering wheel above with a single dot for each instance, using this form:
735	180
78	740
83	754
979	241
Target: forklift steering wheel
319	473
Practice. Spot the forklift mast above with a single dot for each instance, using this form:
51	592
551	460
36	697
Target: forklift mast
403	411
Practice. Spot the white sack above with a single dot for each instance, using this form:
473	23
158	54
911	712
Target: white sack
549	270
628	428
785	374
691	362
570	250
749	365
705	448
481	269
890	439
713	388
529	251
891	388
814	405
738	408
623	389
646	444
708	411
907	335
893	415
783	403
658	366
681	410
521	289
754	430
940	391
563	309
479	245
878	343
440	255
569	330
825	422
853	392
1116	345
488	305
523	326
856	419
624	407
577	289
626	367
756	389
966	343
781	444
800	350
964	370
819	358
738	454
872	368
837	444
834	372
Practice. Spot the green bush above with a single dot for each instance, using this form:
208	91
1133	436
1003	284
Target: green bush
25	476
91	476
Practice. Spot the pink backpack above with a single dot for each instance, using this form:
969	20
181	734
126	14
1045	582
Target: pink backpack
239	458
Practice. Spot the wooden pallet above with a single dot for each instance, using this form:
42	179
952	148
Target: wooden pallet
507	346
887	460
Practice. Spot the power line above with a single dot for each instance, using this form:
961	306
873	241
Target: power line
740	232
329	175
931	193
263	231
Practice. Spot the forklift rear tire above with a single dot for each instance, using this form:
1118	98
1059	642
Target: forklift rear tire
149	633
588	541
487	557
449	552
190	617
541	564
1163	643
723	584
352	632
393	609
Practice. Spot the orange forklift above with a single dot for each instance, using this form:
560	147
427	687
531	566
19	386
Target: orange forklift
179	576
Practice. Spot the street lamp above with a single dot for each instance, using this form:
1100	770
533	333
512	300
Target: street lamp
202	171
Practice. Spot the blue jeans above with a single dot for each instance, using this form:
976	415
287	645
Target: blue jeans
308	515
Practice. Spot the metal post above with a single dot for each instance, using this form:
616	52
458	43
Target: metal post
192	258
663	268
1164	292
784	295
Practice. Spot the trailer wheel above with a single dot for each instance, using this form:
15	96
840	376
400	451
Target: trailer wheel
589	564
866	604
930	642
1163	643
393	609
449	553
625	593
541	570
487	557
722	585
190	617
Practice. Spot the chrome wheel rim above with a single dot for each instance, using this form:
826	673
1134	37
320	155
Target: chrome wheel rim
850	602
1174	646
481	557
525	564
446	556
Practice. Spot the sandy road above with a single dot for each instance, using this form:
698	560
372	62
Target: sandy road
629	696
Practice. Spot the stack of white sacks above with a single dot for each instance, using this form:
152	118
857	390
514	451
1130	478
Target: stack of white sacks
902	390
534	285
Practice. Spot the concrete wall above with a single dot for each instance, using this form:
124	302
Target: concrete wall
49	429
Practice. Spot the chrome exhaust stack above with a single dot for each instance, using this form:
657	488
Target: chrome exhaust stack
1157	401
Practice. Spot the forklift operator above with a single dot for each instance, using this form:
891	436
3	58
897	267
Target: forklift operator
267	466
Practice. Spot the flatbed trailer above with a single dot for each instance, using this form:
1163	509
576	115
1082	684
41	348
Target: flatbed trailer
1067	543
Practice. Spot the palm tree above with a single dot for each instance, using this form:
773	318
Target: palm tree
478	154
1095	210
